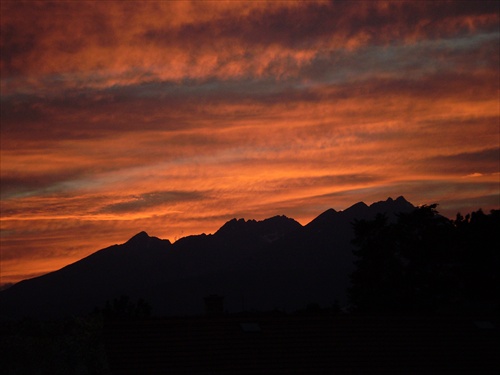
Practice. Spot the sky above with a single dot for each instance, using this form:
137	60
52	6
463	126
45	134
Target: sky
175	117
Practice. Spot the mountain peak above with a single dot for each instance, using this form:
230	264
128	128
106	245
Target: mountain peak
401	199
358	205
390	200
356	209
139	237
322	220
391	206
232	224
267	229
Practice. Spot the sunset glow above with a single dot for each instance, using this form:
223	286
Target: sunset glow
174	117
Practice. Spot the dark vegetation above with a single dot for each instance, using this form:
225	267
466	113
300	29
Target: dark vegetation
73	345
425	263
124	308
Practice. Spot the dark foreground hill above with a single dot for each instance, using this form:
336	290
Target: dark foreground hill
256	265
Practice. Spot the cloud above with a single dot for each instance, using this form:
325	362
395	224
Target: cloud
475	174
102	45
155	199
450	207
18	184
481	162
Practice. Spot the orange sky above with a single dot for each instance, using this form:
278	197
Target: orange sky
174	117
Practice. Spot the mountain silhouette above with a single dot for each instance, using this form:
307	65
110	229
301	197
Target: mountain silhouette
275	263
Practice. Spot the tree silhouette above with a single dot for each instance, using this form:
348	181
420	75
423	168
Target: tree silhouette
124	309
425	263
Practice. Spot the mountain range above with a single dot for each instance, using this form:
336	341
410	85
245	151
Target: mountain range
276	263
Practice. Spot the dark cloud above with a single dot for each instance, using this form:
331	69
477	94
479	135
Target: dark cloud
87	114
298	27
29	28
450	207
289	27
54	37
26	184
467	163
334	181
152	199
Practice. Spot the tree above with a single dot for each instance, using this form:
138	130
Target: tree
425	263
124	309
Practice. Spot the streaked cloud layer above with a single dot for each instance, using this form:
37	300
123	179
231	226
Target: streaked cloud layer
173	117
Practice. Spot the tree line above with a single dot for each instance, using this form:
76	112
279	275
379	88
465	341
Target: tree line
425	263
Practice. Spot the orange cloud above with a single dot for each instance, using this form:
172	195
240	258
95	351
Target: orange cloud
104	44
